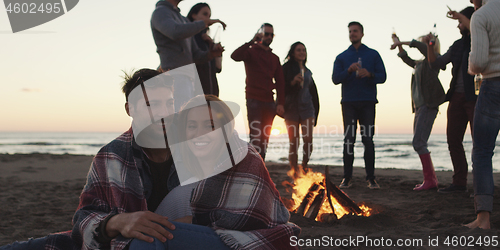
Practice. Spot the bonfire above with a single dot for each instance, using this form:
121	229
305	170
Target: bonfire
314	196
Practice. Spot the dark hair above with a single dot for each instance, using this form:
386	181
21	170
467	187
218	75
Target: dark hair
134	80
467	12
356	23
196	9
291	68
221	116
268	25
289	56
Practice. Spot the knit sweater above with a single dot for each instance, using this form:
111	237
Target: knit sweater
485	47
173	35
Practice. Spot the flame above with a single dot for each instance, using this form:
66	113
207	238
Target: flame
302	183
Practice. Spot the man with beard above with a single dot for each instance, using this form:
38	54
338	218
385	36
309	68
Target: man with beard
261	66
461	97
485	59
359	69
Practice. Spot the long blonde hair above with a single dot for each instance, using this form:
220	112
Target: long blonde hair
437	46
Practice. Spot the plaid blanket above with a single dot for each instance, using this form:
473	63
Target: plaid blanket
116	183
243	206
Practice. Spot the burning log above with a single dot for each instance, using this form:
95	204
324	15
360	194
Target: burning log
313	210
328	217
312	204
343	199
328	190
307	199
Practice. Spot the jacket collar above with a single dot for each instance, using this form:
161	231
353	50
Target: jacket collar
168	5
362	47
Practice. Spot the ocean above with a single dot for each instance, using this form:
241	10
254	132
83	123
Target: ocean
391	150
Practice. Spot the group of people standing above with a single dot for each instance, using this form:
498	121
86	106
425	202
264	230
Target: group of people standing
477	52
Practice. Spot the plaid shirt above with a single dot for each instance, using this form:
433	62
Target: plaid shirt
244	208
118	182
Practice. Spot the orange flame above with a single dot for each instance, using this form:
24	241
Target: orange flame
302	183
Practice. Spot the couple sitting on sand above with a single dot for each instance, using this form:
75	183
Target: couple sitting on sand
209	189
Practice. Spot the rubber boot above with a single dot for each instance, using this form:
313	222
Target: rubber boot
430	179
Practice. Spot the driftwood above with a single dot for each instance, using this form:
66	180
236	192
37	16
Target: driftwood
313	210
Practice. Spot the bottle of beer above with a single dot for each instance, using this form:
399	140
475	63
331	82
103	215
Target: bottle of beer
434	35
360	65
395	38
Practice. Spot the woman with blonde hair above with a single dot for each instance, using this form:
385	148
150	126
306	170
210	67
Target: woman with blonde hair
426	95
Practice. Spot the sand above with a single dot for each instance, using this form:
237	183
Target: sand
39	194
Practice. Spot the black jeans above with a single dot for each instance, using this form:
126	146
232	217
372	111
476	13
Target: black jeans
364	113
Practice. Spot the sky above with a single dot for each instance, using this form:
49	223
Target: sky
66	75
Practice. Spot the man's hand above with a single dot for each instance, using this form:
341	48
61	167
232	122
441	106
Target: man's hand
355	66
362	73
209	22
258	37
297	79
216	51
280	109
138	224
455	15
395	45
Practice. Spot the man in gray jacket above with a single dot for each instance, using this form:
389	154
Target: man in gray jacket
173	35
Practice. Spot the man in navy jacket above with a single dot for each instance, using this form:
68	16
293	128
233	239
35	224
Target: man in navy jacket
359	69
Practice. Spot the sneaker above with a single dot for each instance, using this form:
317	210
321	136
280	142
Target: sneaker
346	183
372	184
453	189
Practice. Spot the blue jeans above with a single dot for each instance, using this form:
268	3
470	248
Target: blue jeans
422	127
486	127
30	244
364	112
186	236
260	121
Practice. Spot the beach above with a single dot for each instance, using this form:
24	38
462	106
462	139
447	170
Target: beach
39	194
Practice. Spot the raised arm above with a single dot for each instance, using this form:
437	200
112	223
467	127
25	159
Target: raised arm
404	55
166	23
422	47
436	61
242	53
460	17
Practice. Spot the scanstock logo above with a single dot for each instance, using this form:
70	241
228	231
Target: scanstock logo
26	14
